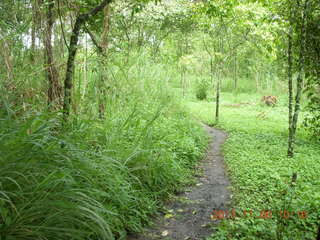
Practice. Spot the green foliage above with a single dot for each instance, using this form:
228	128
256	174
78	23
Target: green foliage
260	172
96	179
312	122
202	90
312	118
216	8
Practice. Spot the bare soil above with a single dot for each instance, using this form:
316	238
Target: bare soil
189	215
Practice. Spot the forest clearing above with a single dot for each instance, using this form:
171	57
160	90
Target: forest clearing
148	119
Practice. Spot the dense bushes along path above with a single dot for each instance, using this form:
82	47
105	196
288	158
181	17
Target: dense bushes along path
188	217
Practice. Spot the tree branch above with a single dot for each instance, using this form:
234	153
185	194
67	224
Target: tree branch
94	41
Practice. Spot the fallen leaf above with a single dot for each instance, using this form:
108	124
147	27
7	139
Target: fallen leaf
165	233
168	215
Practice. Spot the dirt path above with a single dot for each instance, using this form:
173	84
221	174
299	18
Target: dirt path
189	215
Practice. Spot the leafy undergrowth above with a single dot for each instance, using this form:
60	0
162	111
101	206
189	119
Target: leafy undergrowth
92	179
261	174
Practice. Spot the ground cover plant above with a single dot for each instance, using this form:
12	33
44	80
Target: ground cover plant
261	173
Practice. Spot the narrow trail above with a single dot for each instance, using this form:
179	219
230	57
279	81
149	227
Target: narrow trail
189	217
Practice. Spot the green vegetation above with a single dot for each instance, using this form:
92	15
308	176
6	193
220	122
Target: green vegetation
96	178
261	173
100	102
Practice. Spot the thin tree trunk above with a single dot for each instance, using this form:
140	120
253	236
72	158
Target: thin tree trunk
301	72
211	70
257	78
54	89
183	80
104	47
218	98
73	46
290	88
235	71
85	70
33	42
33	31
70	65
106	27
219	82
299	83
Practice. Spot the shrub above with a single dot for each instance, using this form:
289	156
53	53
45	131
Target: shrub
312	119
202	90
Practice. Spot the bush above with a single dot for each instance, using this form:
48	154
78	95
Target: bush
202	90
312	119
312	124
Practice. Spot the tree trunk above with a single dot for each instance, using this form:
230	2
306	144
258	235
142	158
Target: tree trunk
290	89
106	26
54	89
235	76
219	81
103	67
33	31
218	98
183	76
211	71
292	131
73	46
33	42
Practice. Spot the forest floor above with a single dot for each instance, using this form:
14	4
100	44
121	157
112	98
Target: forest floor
189	215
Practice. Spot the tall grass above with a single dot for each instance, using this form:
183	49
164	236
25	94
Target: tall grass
96	178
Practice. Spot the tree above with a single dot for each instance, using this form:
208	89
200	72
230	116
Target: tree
73	45
301	17
103	62
54	89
